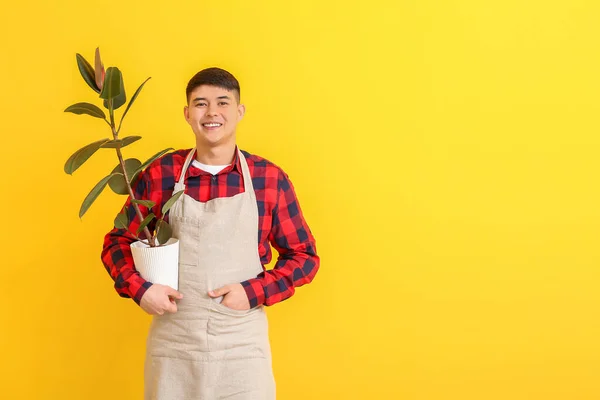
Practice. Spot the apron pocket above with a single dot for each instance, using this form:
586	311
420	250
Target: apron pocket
223	309
234	334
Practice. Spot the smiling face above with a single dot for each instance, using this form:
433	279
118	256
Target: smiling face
213	113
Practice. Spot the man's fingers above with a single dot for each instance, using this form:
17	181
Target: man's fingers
219	292
174	293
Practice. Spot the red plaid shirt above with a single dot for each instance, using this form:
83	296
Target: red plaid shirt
280	223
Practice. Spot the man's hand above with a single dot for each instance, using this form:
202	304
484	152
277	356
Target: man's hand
160	299
234	296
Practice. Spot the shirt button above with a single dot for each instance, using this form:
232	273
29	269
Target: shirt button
214	178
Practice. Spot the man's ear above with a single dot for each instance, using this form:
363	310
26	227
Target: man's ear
241	111
186	112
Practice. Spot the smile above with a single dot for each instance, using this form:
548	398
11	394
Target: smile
212	125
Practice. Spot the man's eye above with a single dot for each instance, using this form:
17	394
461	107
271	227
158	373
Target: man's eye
223	103
201	104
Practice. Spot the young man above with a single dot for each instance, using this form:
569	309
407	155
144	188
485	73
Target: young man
209	340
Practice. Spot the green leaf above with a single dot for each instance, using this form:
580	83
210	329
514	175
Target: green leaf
82	155
135	95
119	100
113	88
151	160
94	193
86	108
145	203
117	183
112	84
87	72
121	221
145	222
120	143
171	201
164	232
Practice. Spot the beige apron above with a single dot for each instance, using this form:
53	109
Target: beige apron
206	350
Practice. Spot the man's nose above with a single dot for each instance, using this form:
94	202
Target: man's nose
212	110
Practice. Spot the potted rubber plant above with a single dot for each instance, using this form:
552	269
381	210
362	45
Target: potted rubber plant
156	255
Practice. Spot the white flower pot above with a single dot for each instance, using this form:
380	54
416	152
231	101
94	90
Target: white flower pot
158	264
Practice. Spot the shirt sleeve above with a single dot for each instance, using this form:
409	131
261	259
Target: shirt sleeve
297	262
116	253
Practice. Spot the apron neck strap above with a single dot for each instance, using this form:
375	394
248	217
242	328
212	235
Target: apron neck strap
186	165
248	187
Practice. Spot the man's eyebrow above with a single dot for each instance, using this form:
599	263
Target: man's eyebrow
220	97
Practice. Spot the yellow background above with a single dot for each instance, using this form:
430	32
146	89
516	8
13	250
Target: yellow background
445	154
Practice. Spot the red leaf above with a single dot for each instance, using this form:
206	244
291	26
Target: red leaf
99	70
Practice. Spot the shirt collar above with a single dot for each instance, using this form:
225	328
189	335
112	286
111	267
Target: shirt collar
235	165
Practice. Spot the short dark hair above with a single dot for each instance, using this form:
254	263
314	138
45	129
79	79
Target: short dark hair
213	77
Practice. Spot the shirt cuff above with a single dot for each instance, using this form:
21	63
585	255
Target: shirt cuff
255	292
137	297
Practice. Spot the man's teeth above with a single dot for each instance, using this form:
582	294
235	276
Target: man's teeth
211	125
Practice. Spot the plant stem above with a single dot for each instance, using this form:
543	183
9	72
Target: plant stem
151	241
131	194
155	236
112	117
